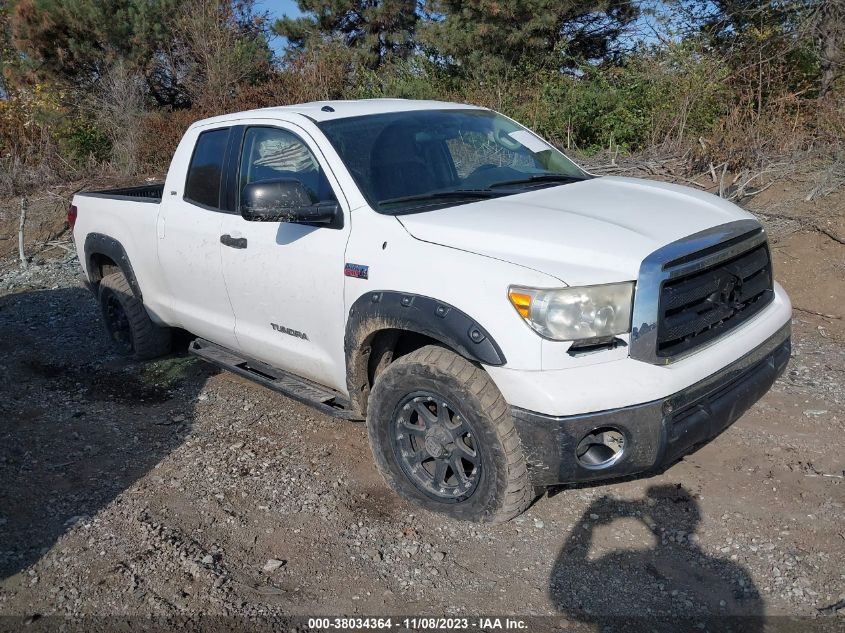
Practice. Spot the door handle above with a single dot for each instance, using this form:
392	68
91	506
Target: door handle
233	242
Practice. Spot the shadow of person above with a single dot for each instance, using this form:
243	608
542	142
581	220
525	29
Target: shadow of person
638	563
78	425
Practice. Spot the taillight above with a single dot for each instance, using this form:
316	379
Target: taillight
71	216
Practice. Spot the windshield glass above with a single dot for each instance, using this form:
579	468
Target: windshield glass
419	160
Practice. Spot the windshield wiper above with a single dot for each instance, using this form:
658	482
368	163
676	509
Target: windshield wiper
444	195
538	178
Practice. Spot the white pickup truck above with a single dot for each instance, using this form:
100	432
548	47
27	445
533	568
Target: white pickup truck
502	319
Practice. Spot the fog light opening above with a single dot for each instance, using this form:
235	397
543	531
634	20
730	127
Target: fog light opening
600	448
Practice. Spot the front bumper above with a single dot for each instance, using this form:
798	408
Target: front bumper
656	433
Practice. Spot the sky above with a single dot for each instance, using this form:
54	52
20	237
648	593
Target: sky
277	9
280	7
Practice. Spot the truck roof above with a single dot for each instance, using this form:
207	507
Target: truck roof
328	110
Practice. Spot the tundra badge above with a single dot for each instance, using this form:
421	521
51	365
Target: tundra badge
289	331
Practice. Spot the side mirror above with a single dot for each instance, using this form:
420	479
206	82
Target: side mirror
284	200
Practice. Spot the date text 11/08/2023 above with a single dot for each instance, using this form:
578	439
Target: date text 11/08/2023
417	623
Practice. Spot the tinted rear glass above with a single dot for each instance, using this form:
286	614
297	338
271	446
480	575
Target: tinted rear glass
206	168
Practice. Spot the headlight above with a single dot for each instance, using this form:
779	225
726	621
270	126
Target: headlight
576	314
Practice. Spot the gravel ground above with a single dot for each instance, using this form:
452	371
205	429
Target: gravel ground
169	489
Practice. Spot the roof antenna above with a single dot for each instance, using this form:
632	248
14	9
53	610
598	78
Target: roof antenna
327	108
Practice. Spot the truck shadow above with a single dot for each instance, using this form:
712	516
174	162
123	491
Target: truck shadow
78	425
660	579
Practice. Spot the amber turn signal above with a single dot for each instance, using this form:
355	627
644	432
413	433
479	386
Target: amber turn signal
520	301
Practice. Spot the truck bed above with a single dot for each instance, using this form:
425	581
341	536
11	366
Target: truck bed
127	216
142	193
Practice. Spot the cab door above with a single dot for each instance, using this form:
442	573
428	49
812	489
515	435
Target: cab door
189	237
285	281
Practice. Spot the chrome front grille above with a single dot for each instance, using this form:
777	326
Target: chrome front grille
699	288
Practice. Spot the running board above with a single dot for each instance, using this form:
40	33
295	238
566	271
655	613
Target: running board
294	387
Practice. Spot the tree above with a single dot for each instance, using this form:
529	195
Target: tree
7	53
174	44
376	31
548	33
222	48
828	28
772	47
117	107
77	40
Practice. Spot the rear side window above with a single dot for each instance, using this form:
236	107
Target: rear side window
206	168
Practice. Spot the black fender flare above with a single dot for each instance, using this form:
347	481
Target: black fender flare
99	244
381	310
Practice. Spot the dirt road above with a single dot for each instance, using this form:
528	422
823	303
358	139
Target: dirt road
168	488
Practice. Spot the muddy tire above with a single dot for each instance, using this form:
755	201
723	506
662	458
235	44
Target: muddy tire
443	438
127	323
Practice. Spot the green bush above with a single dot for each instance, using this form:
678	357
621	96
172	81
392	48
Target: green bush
81	141
670	96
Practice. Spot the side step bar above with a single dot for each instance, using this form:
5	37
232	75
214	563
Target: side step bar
302	390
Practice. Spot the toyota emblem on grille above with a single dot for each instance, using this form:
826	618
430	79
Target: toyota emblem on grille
728	294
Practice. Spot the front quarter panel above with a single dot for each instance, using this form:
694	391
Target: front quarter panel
475	285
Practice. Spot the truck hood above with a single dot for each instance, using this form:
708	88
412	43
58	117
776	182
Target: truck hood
589	232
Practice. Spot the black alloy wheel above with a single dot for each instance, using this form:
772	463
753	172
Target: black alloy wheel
435	447
443	437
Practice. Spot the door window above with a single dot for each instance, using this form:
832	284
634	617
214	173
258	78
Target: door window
206	168
276	154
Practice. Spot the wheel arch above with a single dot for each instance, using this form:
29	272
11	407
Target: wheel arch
385	325
105	255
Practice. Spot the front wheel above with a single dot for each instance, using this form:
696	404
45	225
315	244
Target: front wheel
442	437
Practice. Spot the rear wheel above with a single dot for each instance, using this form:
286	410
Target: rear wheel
127	323
443	438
